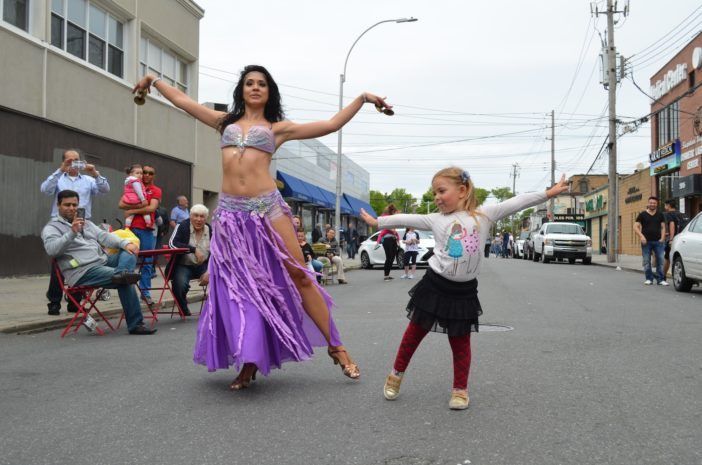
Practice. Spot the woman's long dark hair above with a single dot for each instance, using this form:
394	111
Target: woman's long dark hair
273	111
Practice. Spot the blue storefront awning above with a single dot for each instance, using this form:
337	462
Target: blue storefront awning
357	204
331	198
294	188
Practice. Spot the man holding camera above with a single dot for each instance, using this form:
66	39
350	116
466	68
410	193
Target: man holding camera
77	246
68	176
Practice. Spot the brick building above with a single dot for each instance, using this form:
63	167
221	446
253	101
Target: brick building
676	145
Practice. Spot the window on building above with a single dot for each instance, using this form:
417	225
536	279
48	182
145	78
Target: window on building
156	59
691	79
88	32
668	123
583	186
16	12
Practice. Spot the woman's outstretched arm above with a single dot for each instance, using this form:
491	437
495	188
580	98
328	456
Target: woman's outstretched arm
181	100
287	130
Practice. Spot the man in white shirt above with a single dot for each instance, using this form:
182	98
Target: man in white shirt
68	177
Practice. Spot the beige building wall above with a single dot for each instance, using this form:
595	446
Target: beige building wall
44	81
634	191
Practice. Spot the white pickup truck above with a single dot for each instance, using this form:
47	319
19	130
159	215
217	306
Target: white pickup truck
562	240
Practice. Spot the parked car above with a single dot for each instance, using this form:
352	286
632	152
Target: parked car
519	245
686	254
372	253
528	247
556	241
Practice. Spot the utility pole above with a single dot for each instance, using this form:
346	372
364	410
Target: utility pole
514	174
612	201
553	160
612	78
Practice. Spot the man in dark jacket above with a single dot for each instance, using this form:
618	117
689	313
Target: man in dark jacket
193	234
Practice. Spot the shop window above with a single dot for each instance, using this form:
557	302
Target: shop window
158	60
16	12
88	32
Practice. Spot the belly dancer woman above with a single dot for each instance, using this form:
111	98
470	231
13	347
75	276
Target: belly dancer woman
264	307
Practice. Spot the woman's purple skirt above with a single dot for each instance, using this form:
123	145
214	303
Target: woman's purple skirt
253	312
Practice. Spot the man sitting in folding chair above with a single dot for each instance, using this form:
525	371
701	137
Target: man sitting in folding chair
193	234
75	244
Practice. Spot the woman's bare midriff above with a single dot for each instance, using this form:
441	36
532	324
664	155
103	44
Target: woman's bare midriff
248	174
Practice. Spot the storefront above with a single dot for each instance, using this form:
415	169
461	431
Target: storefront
596	216
676	129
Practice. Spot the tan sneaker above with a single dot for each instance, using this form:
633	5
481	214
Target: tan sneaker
392	387
459	400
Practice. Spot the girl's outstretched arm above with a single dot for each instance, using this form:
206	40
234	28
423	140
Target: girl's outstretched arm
522	201
181	100
287	130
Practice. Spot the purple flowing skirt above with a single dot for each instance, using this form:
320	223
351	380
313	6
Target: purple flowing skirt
253	312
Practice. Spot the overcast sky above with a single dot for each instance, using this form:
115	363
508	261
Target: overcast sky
477	80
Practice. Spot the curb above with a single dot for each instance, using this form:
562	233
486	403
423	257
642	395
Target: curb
61	322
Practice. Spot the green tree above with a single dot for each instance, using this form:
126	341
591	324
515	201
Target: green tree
403	200
526	213
378	201
481	194
427	203
502	193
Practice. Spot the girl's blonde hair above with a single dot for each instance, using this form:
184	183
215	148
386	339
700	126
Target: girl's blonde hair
461	178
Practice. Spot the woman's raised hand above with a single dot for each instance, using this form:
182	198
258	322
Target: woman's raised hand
376	100
368	218
559	188
144	84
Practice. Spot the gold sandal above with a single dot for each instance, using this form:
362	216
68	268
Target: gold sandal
351	369
244	379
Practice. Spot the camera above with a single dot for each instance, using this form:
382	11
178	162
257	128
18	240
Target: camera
78	164
80	213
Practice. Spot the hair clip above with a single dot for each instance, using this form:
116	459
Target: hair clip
384	110
465	176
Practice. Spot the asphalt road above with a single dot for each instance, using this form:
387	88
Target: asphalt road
597	370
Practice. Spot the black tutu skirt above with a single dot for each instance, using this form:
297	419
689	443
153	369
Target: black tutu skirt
444	306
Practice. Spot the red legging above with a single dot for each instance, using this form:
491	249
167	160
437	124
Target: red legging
460	346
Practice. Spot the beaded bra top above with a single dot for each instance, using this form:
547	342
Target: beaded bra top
258	137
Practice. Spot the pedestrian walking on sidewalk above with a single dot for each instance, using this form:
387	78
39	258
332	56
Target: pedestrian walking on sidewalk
650	226
261	295
445	300
673	222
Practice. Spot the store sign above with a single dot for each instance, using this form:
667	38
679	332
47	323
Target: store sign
693	163
666	158
697	58
664	151
633	195
595	204
570	218
669	80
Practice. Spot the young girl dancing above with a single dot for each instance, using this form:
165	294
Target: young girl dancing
445	300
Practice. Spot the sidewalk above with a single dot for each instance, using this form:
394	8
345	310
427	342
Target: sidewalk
23	303
625	262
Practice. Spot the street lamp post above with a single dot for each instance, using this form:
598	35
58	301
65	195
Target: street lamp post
342	79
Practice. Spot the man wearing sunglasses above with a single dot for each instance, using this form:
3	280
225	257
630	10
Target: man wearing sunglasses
145	233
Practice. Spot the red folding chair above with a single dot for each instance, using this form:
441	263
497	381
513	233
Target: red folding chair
91	295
